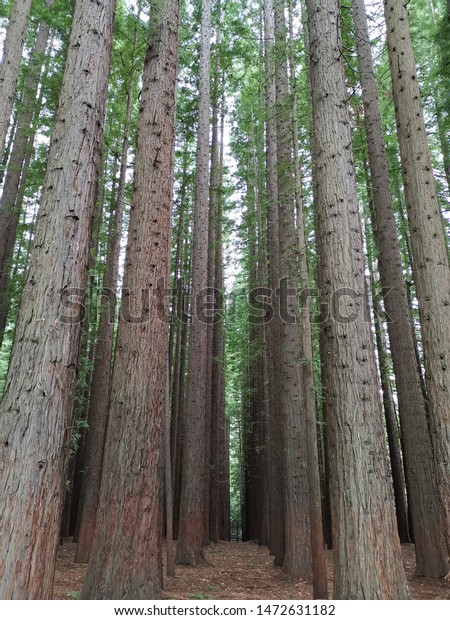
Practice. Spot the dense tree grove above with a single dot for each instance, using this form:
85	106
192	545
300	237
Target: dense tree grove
224	290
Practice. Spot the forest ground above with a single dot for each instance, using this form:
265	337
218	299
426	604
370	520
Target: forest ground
236	571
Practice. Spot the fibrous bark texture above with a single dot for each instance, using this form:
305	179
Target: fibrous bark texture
126	558
99	397
424	499
429	249
276	463
297	554
36	410
10	64
365	541
11	205
191	530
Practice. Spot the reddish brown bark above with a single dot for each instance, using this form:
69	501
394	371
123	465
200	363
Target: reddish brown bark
36	410
99	398
297	558
367	557
276	463
12	196
191	525
10	62
429	249
126	558
429	533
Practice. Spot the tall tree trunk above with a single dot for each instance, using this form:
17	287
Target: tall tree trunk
217	282
87	344
444	142
179	404
218	380
440	94
297	554
125	561
177	266
390	415
276	461
170	555
10	206
254	422
253	489
7	149
259	338
177	333
367	554
322	436
407	261
99	399
210	424
320	581
429	249
36	410
392	427
429	532
10	63
190	534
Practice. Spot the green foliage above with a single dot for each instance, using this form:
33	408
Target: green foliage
5	9
199	596
79	427
4	360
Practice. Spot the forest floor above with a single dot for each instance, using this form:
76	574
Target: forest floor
236	571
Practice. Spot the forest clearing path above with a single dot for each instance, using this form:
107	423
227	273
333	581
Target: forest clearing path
237	571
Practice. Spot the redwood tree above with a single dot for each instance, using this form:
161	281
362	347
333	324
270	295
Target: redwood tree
423	494
36	410
103	354
126	558
367	555
276	463
428	243
191	530
10	63
10	205
297	553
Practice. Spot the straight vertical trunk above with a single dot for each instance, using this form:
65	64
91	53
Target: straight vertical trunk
7	149
87	344
319	569
36	410
392	427
276	461
429	532
170	555
179	404
216	345
10	63
255	427
297	555
367	554
211	424
177	331
441	94
223	427
429	249
390	415
253	449
126	558
190	534
322	443
99	399
10	206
